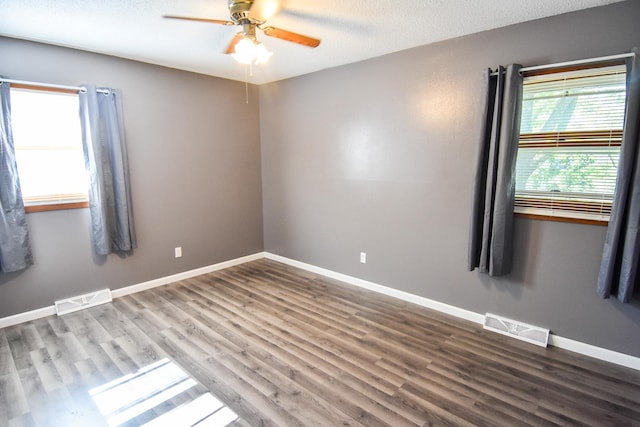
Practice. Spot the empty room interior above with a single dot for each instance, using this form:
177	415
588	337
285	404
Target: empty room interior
388	223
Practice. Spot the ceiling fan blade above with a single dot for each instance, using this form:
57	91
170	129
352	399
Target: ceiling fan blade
263	10
211	21
232	46
290	36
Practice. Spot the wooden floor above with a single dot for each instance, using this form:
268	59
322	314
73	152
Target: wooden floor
284	347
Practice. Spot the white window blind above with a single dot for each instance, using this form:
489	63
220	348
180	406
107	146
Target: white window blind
570	136
48	146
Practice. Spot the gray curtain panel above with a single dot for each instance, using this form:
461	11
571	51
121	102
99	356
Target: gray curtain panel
105	155
619	268
491	231
15	250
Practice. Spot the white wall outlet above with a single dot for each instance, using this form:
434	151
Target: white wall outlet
178	251
363	257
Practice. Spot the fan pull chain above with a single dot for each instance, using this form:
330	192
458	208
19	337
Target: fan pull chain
246	85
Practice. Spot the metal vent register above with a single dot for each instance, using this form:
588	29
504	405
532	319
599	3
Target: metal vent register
81	302
515	329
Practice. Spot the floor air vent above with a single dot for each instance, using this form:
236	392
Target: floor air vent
515	329
80	302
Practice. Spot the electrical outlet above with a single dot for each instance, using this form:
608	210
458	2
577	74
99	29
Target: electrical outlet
363	257
178	252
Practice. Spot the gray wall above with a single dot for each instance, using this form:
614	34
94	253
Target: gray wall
377	156
194	154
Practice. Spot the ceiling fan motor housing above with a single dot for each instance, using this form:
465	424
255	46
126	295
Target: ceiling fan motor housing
251	15
240	11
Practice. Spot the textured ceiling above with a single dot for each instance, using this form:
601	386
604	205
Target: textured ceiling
351	30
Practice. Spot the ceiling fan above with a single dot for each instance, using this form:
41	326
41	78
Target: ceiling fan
252	15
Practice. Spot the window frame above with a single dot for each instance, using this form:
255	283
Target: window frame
63	204
575	218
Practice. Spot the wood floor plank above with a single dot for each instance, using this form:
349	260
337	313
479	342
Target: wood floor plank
289	366
89	374
47	372
303	335
569	393
326	335
31	336
293	295
25	420
7	365
268	381
13	401
568	375
82	325
261	402
439	415
107	368
495	399
19	346
117	356
34	390
216	380
314	372
139	347
596	384
286	347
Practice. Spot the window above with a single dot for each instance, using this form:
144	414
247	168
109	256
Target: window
48	146
570	136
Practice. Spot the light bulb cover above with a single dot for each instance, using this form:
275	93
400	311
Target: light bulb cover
245	51
248	51
262	54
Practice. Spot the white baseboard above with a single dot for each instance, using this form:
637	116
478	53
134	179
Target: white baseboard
554	340
116	293
27	316
405	296
595	352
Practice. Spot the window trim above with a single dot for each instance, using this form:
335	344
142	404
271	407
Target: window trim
65	203
542	217
55	207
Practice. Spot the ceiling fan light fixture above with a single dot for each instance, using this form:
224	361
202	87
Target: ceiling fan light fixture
250	51
251	15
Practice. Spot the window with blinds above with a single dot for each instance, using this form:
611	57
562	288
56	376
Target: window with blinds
570	136
48	146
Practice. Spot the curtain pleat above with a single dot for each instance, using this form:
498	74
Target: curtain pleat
491	230
112	225
15	250
619	267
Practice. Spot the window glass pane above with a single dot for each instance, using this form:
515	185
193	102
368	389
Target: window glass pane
47	138
43	174
572	103
591	171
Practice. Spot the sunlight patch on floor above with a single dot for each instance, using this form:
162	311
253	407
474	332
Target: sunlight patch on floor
132	395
